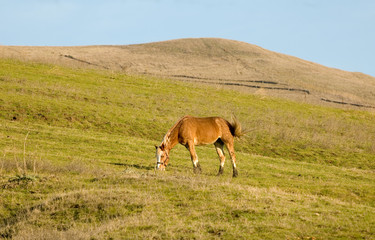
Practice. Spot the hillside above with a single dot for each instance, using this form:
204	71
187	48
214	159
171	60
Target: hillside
225	63
77	162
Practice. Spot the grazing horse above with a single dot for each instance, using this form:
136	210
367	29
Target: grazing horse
191	131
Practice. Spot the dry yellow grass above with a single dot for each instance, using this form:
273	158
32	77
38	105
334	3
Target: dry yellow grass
226	63
77	162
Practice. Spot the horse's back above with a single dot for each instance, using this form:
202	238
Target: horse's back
202	123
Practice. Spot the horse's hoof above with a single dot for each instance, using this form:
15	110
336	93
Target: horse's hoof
197	170
235	173
221	171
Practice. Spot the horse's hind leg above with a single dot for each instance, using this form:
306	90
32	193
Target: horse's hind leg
194	157
219	146
230	147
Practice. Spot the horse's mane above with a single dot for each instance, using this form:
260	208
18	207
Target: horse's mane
166	138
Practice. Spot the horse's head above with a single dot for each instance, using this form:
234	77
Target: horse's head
162	157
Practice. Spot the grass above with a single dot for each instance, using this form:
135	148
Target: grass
86	168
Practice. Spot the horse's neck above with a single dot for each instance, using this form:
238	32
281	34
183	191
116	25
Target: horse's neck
171	138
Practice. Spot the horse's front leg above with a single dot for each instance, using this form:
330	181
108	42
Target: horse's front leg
194	158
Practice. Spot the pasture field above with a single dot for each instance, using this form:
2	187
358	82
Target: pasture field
77	162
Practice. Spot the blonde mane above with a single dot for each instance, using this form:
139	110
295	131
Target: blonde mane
166	139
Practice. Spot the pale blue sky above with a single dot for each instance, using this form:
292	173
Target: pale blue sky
335	33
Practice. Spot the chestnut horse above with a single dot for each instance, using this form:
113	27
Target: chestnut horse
191	131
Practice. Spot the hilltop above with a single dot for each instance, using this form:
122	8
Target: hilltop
225	63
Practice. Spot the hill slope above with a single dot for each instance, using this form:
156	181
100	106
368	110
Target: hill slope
77	161
226	63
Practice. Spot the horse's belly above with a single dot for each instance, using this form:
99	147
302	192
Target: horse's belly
204	141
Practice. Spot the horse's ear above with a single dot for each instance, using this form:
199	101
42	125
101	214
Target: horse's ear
156	147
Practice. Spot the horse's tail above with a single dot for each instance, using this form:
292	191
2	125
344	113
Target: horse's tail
235	127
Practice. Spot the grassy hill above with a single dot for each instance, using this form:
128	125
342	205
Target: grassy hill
77	161
220	62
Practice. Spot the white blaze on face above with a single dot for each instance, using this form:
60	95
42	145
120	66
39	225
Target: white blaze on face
158	156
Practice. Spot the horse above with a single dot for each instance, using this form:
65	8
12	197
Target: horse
192	131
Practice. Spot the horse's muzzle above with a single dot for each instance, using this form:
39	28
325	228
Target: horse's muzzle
160	166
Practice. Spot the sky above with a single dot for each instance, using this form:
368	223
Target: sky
334	33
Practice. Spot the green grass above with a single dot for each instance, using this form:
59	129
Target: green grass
86	168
